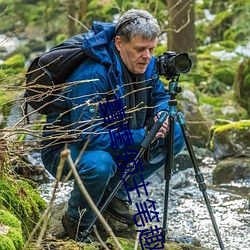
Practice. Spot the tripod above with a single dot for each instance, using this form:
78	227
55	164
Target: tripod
125	175
173	90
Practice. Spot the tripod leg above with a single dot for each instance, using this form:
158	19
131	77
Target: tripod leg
168	171
199	176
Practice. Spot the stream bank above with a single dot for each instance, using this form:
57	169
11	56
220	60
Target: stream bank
187	213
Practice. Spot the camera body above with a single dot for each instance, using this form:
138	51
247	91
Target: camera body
171	65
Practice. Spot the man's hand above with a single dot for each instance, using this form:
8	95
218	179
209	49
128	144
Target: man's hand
164	128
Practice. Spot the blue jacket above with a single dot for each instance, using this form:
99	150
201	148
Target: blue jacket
103	69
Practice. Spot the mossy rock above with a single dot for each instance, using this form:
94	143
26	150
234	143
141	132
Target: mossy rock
11	237
21	199
232	139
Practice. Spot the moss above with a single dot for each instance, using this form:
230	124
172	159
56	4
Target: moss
125	243
13	239
9	219
16	237
219	102
235	125
129	245
173	246
229	45
225	75
22	200
214	101
220	131
6	243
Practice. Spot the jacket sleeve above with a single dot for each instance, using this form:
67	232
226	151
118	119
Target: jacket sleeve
86	118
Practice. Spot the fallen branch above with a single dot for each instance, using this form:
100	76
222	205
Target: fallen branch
65	154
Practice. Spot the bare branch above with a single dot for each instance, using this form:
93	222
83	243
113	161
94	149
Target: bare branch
66	154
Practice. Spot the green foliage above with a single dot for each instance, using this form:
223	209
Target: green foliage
22	200
17	61
12	67
214	101
242	84
219	102
229	23
224	75
221	23
216	67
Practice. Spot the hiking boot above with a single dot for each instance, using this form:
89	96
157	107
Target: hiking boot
121	211
75	231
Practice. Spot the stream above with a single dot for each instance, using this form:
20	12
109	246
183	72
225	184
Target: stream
188	216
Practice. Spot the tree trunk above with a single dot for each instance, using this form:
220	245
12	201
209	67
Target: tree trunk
71	6
181	27
83	7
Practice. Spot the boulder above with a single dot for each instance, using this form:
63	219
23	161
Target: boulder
197	125
231	139
231	169
230	143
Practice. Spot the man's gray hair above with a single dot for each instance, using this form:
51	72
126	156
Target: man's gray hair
137	22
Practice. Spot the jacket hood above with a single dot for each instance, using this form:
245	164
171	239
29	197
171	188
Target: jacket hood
98	43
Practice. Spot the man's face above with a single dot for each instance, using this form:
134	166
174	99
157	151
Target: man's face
137	53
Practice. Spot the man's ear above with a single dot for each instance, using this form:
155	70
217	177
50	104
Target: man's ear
118	43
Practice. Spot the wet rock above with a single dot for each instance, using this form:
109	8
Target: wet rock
181	179
231	169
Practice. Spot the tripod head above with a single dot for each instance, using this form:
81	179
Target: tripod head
174	89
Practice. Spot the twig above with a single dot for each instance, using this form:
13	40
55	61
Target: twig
99	238
77	21
45	217
66	154
136	241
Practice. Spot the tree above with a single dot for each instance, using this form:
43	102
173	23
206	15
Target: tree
181	26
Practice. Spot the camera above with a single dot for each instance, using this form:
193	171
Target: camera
171	65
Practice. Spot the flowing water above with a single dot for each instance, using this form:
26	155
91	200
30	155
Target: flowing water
187	212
